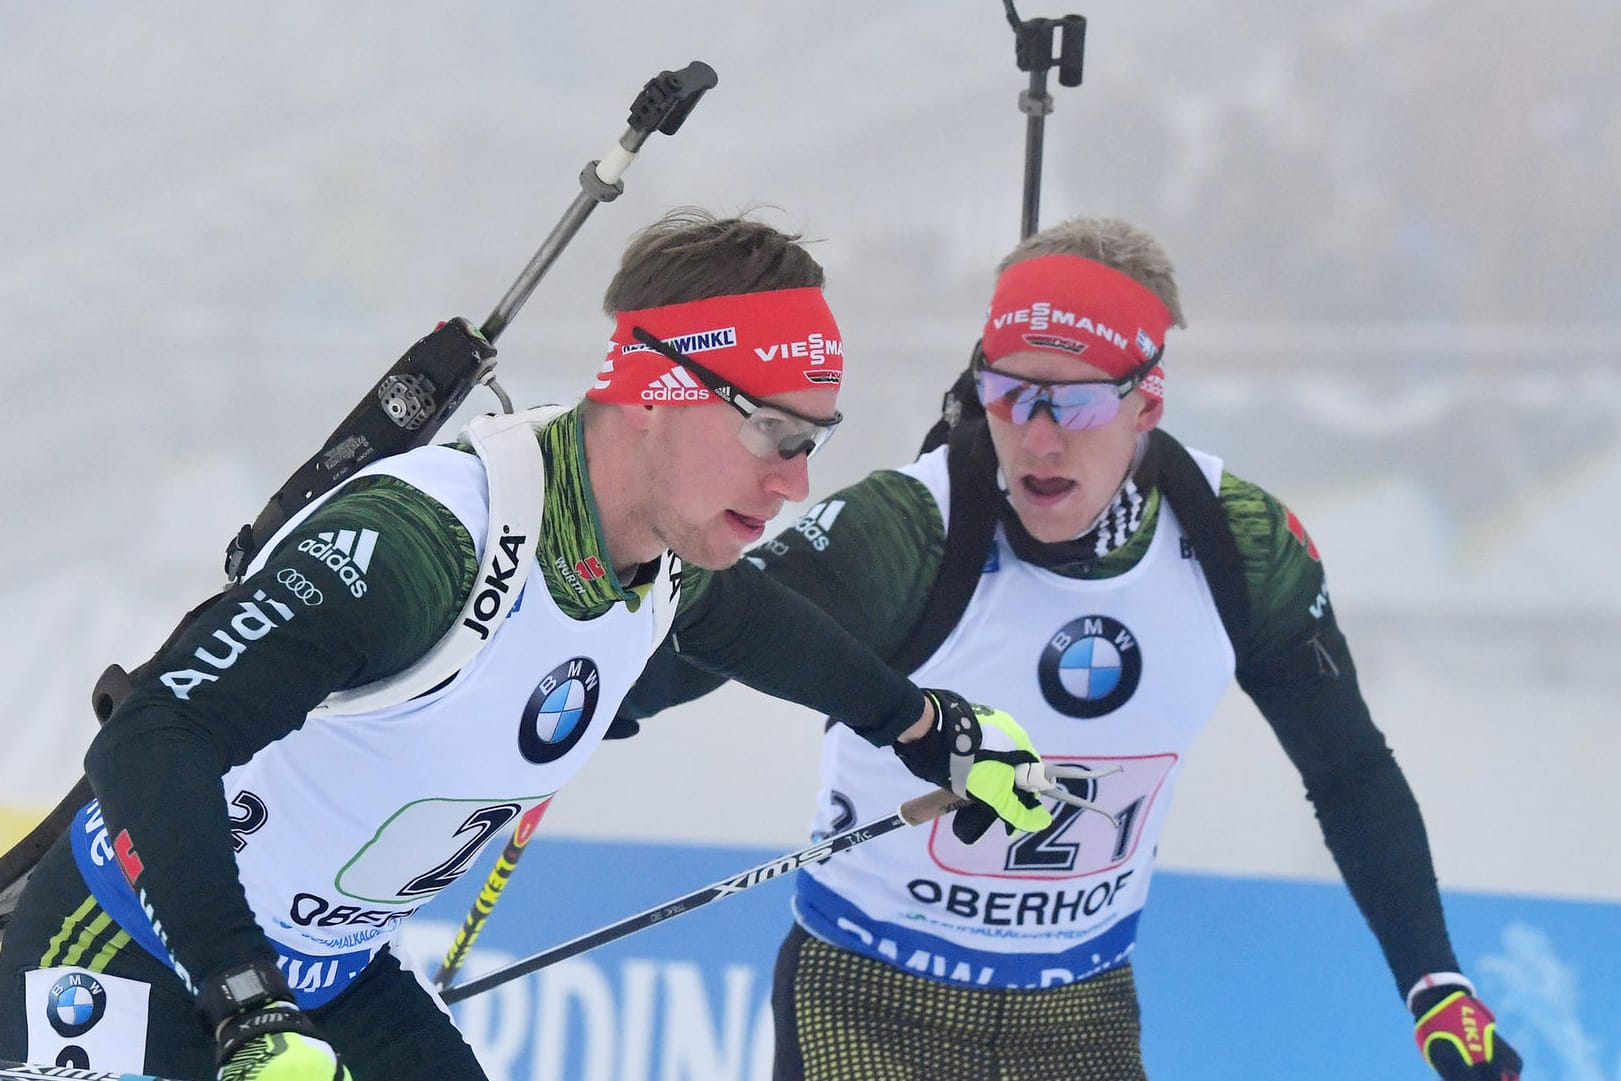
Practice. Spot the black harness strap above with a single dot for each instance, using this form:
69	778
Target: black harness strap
971	525
1199	509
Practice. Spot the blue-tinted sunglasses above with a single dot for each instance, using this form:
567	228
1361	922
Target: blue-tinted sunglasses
1074	405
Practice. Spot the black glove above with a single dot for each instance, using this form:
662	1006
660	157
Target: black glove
262	1036
1458	1036
975	751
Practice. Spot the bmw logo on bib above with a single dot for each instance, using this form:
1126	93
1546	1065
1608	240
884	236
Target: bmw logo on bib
1090	667
559	711
75	1003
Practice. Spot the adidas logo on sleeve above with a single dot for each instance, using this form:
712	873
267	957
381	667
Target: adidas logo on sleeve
816	522
346	552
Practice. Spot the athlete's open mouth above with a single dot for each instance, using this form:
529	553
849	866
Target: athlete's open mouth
1048	488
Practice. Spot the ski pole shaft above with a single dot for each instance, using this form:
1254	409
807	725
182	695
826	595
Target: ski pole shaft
913	812
484	904
1035	103
663	105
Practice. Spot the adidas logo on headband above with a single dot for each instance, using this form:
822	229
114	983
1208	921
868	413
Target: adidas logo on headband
675	385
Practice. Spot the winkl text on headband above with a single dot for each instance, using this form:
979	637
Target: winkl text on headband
1078	308
766	343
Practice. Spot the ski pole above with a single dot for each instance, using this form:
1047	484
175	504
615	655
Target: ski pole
484	904
913	812
1033	50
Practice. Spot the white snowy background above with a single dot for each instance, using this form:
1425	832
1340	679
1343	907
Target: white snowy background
1396	225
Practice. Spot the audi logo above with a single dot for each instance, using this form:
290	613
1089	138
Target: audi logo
300	586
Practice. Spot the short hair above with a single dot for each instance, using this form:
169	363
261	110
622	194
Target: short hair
1115	243
690	254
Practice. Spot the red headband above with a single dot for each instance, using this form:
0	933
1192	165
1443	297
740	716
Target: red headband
1077	308
765	343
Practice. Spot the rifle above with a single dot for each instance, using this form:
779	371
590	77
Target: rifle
403	410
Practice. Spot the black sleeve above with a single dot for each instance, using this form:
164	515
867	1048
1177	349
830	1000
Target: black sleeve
1367	811
1297	668
667	680
246	672
746	627
867	555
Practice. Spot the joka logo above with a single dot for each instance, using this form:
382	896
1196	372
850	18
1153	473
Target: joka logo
509	550
345	552
75	1003
1090	667
675	385
559	711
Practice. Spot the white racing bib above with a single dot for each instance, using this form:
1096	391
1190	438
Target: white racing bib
85	1020
1117	674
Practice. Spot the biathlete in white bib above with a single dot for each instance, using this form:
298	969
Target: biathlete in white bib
1097	607
423	658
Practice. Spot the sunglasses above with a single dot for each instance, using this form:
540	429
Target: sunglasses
1075	405
768	430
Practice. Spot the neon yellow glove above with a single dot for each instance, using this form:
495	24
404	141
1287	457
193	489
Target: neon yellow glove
262	1036
975	751
283	1056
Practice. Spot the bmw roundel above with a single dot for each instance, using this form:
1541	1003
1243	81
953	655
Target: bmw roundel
559	711
1090	667
75	1003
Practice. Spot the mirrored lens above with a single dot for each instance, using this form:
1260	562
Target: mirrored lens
1075	406
768	433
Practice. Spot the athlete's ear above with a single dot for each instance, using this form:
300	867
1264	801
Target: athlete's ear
1151	412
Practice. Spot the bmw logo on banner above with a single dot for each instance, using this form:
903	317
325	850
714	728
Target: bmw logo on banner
1090	667
559	711
75	1003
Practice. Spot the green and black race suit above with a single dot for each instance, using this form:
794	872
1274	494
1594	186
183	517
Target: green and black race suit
245	823
1115	659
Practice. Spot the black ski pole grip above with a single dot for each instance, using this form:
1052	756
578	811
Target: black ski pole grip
669	97
664	103
1071	49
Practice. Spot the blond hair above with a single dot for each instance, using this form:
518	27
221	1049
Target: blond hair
1115	243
